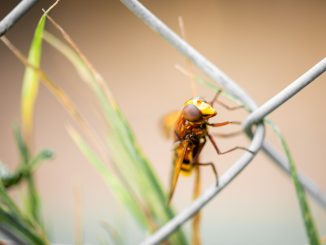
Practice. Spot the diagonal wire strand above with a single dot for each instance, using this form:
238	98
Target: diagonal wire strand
272	104
286	94
10	19
209	194
218	76
188	51
264	110
231	87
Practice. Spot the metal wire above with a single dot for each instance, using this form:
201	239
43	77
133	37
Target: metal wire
269	106
198	59
204	199
10	19
231	87
286	94
313	189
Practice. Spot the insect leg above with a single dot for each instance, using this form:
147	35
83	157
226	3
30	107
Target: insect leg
221	124
227	135
212	166
177	168
215	100
230	150
194	161
196	239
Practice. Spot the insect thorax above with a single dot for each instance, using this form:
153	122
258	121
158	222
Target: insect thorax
195	132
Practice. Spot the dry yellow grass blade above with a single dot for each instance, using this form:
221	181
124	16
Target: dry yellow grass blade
61	96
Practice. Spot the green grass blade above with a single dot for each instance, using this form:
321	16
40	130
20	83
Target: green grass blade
311	230
85	74
125	151
12	179
114	235
12	220
22	147
28	98
113	116
113	182
33	203
31	78
19	228
6	201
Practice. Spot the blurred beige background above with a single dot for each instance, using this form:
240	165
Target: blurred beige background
263	45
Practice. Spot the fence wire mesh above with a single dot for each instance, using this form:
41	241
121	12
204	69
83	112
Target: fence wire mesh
10	19
256	117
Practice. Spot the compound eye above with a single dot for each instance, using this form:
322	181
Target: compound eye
191	113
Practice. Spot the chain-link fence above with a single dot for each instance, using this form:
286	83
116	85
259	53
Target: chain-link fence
255	118
10	19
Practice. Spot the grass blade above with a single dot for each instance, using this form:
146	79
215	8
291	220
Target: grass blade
19	229
28	98
32	202
134	167
31	81
12	179
13	221
31	78
113	182
311	231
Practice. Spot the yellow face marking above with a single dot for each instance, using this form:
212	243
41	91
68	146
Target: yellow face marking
205	108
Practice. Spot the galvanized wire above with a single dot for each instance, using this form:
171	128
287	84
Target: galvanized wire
310	186
197	58
209	194
286	94
231	87
270	105
14	15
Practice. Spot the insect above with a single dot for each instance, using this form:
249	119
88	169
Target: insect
191	131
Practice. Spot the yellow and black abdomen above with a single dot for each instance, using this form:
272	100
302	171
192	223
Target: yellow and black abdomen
187	162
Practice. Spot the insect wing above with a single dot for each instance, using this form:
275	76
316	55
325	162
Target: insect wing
168	123
180	152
